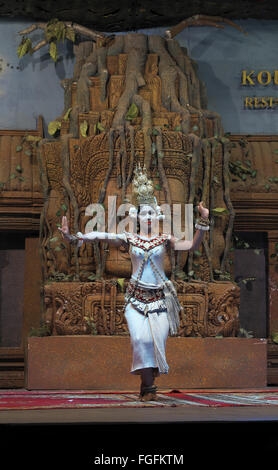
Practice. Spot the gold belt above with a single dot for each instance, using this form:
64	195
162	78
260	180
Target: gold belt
144	295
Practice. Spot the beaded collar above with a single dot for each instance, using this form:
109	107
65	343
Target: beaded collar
146	244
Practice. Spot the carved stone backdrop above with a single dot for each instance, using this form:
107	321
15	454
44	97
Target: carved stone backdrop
97	308
135	98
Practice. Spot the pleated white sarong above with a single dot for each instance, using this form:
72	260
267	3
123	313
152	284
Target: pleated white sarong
148	338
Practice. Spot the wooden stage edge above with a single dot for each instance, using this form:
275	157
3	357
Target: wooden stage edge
189	414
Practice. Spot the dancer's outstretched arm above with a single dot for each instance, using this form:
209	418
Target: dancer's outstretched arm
115	239
198	236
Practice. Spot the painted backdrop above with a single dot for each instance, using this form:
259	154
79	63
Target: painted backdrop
31	86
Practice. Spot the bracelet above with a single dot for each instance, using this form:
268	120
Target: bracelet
202	221
202	227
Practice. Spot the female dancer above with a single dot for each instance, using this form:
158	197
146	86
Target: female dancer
151	303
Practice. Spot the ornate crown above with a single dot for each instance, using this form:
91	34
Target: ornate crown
142	189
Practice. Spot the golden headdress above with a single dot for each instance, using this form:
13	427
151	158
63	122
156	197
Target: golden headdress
143	192
142	188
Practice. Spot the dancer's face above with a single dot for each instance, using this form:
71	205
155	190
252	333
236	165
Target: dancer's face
147	218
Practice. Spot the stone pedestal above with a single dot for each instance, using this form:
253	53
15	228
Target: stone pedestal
103	363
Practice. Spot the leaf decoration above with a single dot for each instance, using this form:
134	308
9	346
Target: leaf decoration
132	112
49	34
66	116
70	33
60	30
197	253
242	142
33	138
157	187
275	338
55	30
100	127
24	47
53	51
121	282
18	148
220	211
53	127
84	128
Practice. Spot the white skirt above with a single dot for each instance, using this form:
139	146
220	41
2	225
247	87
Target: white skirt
148	339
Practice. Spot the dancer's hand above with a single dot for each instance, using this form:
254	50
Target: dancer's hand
202	210
65	227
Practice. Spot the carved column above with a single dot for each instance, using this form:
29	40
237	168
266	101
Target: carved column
272	350
273	282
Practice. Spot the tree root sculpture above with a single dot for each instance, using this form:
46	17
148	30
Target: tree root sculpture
200	20
181	92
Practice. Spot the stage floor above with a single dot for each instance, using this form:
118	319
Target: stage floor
23	406
143	415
